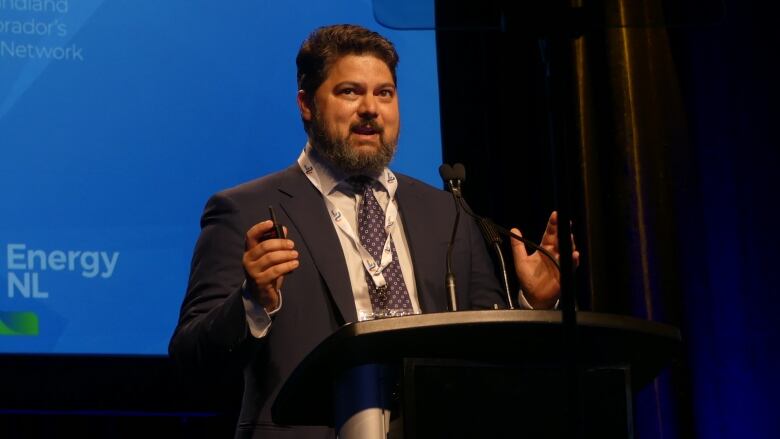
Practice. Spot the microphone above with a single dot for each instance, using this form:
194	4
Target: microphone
457	176
497	228
449	175
454	176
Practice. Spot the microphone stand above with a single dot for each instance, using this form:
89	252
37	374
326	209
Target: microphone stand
454	176
449	281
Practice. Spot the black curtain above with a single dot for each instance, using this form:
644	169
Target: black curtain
673	188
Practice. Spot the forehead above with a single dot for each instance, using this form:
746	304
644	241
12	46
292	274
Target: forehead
359	68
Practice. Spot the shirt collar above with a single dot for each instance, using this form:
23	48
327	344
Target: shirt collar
331	177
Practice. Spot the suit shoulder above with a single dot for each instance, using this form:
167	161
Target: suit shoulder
422	188
265	187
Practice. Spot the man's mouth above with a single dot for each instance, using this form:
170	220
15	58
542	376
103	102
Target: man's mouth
367	129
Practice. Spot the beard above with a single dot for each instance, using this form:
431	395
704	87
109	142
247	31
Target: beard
347	158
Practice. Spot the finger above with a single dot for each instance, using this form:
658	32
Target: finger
273	235
575	258
518	248
552	222
274	272
550	237
274	258
270	299
254	266
268	294
255	232
268	246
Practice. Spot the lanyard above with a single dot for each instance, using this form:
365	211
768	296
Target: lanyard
391	215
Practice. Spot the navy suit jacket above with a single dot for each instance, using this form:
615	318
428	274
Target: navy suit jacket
317	298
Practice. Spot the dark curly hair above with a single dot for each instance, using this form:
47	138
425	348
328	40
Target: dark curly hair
329	43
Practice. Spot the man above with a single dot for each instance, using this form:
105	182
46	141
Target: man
361	242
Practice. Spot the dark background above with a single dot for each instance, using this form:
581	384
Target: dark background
671	191
675	214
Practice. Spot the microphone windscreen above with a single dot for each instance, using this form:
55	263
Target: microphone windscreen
459	172
445	171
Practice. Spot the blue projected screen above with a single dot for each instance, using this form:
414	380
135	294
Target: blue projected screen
118	119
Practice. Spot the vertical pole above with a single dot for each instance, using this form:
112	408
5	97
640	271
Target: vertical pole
556	55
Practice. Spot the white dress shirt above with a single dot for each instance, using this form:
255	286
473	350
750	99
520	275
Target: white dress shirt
334	187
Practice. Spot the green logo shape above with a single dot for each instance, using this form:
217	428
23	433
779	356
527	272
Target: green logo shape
18	323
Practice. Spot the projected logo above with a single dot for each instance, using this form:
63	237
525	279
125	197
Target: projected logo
31	19
18	323
25	266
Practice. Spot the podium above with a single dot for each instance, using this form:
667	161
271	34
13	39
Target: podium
484	373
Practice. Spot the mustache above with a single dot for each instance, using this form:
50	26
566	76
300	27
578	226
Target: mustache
371	123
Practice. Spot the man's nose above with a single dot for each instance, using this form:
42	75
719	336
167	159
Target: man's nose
368	107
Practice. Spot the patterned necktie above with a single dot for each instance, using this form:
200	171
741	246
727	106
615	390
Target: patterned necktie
393	298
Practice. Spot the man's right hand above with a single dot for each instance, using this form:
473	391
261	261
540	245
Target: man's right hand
266	263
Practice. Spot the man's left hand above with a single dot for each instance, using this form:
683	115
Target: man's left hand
538	276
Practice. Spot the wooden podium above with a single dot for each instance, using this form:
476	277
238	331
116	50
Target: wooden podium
484	373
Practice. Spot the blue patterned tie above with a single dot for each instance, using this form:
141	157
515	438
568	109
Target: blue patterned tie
393	299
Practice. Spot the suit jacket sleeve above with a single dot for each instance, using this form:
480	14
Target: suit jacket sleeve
212	328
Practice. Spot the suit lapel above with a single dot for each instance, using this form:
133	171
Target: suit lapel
416	217
306	209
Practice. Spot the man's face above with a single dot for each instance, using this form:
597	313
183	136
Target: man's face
353	115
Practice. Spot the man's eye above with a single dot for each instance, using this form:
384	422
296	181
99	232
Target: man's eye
348	91
386	93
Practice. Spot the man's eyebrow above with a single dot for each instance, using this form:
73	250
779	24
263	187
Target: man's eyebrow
349	83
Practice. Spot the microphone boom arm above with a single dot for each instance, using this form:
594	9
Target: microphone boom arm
504	231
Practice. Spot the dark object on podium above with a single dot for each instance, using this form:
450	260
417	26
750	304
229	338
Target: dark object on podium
488	373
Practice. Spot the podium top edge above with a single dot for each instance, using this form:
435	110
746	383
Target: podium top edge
585	319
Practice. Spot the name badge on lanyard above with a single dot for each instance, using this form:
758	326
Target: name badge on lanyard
373	268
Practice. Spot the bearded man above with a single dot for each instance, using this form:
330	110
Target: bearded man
363	242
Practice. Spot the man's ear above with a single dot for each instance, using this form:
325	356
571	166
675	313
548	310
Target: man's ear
304	105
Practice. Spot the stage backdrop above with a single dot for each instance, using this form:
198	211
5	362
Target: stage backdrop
119	118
